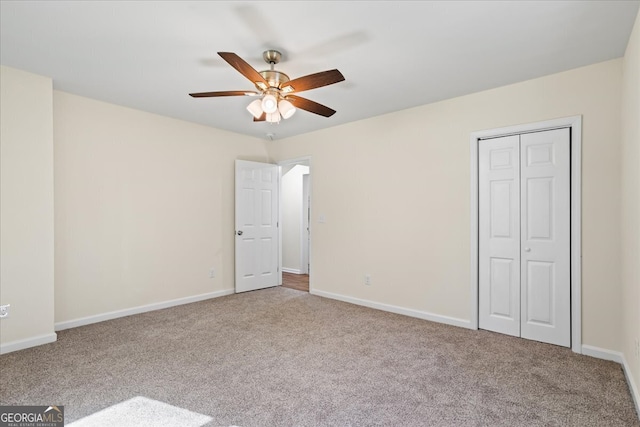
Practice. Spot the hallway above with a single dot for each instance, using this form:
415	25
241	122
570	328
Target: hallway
299	282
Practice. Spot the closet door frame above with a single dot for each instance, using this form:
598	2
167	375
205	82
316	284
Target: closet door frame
574	123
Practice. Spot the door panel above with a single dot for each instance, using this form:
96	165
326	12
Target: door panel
499	251
541	290
266	208
266	256
256	225
545	207
501	196
246	215
540	155
540	208
501	287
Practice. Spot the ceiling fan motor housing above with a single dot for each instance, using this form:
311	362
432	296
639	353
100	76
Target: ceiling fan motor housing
275	78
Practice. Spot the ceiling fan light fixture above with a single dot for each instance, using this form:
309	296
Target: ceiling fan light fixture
255	108
286	109
274	86
273	117
269	104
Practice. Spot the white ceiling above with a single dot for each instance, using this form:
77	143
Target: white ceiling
394	55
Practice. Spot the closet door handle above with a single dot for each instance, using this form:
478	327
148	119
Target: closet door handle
527	249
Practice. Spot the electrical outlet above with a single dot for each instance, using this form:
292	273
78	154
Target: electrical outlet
212	273
367	280
4	311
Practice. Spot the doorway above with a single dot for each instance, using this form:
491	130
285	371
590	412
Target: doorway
295	208
572	307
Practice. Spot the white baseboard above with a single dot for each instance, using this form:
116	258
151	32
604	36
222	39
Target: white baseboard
633	387
28	342
616	356
602	353
291	270
395	309
60	326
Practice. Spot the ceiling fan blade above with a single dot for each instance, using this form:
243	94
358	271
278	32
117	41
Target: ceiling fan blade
224	93
262	118
310	106
244	68
313	81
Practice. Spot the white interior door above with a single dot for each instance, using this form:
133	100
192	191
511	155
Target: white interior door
546	257
499	235
524	236
256	225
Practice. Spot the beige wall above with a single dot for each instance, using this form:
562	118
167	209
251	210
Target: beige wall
26	208
144	207
630	223
395	191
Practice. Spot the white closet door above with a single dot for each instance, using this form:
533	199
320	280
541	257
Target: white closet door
545	236
499	239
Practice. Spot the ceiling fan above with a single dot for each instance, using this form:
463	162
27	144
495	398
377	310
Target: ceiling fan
275	89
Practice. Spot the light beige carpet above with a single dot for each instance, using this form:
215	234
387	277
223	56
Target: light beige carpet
280	357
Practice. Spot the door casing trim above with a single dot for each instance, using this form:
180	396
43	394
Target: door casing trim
574	123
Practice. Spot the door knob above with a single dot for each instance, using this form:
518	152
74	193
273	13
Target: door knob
239	232
527	249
